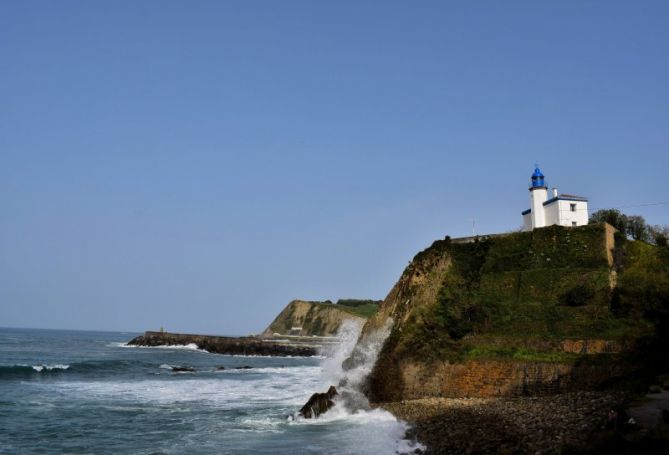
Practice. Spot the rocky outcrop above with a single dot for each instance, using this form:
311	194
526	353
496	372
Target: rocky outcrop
224	345
319	403
526	313
304	318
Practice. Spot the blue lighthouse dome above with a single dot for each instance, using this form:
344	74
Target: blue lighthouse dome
537	178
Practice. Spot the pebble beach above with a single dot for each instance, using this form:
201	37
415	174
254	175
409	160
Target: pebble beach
534	425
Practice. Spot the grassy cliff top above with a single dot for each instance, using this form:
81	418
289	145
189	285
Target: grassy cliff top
553	283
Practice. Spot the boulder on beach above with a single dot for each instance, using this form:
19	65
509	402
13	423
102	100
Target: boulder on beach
319	403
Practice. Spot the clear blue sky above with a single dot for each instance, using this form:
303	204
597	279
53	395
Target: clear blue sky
197	165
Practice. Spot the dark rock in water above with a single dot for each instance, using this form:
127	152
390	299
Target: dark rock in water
319	403
220	368
245	367
224	345
183	369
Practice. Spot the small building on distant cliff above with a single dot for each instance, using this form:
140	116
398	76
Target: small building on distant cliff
561	209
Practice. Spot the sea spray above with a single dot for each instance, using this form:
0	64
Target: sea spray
114	400
348	364
332	372
358	365
337	353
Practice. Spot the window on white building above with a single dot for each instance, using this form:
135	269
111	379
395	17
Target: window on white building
573	223
572	207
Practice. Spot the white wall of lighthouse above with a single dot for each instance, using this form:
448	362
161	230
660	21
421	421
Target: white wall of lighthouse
561	209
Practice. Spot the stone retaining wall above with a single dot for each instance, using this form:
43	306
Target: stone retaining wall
489	378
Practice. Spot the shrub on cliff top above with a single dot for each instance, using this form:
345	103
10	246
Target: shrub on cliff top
643	286
357	302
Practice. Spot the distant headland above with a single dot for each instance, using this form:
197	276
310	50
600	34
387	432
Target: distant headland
301	329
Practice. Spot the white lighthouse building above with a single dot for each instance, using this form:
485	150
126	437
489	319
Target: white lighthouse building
562	209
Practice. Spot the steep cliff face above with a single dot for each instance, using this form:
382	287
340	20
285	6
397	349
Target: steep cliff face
532	312
311	318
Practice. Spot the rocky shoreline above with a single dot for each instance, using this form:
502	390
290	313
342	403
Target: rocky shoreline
226	345
535	425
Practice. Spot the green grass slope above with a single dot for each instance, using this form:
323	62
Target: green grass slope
519	297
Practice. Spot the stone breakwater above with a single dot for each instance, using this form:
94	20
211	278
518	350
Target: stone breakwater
544	425
226	345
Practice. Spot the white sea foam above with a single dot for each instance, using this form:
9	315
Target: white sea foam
262	425
361	352
187	347
58	366
348	333
375	430
193	347
290	387
368	431
276	356
364	356
264	370
264	395
119	344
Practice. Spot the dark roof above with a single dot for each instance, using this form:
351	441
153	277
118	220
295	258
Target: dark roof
525	212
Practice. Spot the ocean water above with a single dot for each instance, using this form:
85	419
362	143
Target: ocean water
87	393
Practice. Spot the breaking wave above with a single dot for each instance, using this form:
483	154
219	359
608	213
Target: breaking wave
186	347
347	365
29	370
88	368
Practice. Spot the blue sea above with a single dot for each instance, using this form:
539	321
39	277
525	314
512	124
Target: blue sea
76	392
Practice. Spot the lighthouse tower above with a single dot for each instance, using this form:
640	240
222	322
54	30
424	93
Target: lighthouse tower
538	195
563	209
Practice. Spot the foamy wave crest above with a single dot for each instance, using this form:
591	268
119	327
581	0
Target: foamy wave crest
374	431
26	371
58	366
119	344
348	364
262	425
351	373
276	356
186	347
364	355
336	354
235	391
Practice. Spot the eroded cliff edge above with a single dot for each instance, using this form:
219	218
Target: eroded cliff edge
552	310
